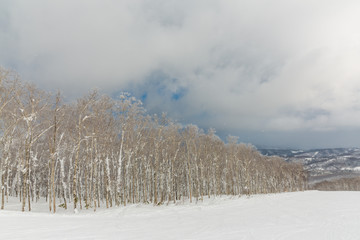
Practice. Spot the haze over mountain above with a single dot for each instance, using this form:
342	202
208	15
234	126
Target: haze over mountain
278	74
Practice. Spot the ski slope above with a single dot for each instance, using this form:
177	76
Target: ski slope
302	215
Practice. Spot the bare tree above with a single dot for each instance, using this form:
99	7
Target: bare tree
31	106
105	151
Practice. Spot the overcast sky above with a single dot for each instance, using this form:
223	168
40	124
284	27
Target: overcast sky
277	73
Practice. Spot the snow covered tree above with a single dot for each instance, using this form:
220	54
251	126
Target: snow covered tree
100	150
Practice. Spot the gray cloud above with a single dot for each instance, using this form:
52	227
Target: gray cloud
274	66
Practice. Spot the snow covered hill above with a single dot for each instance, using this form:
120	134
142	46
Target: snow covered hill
301	215
322	164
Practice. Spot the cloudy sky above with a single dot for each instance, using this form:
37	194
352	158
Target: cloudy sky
277	73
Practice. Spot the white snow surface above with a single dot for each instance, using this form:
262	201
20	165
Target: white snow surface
301	215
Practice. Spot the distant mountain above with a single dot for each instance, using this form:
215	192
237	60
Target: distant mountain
322	164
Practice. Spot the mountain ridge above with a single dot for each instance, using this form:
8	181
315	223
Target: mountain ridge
322	163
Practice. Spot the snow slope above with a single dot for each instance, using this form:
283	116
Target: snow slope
302	215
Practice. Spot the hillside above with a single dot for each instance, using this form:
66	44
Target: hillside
300	215
322	164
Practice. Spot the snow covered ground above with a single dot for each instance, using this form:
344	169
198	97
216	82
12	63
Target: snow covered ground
302	215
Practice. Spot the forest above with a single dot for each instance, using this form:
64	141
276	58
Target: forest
101	151
340	184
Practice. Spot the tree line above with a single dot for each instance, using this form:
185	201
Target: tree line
341	184
108	151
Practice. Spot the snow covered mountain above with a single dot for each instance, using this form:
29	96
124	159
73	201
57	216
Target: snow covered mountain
322	164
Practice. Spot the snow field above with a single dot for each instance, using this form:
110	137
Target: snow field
301	215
